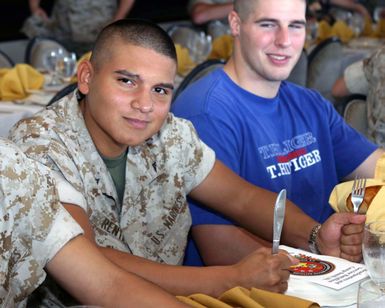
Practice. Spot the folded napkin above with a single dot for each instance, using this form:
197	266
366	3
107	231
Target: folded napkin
222	47
373	199
16	82
185	63
342	31
324	31
379	31
244	298
368	27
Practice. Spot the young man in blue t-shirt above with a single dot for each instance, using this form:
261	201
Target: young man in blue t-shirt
271	132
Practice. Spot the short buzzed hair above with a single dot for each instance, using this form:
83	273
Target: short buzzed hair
244	7
138	32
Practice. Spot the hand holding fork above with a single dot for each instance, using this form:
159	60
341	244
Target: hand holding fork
358	193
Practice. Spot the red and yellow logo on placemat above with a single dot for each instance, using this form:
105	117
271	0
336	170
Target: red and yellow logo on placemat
309	266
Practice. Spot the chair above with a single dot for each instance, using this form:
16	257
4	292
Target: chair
5	60
198	72
63	92
299	73
37	48
324	66
356	116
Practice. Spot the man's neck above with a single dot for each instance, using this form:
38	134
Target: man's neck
103	142
250	82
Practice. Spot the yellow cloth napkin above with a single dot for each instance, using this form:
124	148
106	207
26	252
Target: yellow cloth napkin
16	82
222	47
368	28
244	298
185	63
380	28
376	210
342	31
324	31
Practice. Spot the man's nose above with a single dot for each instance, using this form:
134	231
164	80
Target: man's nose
283	37
143	102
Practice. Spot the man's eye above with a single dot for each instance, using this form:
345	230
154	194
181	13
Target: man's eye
297	26
126	80
161	91
267	25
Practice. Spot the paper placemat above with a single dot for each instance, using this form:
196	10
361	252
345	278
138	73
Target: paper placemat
330	281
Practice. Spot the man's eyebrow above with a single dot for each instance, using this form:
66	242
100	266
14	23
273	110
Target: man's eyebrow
137	77
166	85
127	74
296	21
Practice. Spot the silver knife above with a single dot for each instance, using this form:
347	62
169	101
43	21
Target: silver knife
279	215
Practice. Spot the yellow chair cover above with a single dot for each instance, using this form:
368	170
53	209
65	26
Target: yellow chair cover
376	210
16	82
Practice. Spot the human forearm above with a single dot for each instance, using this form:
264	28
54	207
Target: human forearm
34	5
123	9
108	286
252	207
202	12
178	280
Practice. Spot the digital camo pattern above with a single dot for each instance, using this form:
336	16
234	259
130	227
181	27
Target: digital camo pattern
154	219
33	225
81	21
374	69
74	23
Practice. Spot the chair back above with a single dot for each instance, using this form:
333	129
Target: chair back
198	72
299	73
63	92
355	115
37	49
5	60
324	66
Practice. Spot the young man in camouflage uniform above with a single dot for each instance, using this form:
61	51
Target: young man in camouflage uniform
366	77
134	163
74	23
36	233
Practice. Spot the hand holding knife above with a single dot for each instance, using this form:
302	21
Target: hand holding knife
279	216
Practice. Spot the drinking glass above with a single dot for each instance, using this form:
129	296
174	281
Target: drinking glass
370	295
373	250
66	66
50	58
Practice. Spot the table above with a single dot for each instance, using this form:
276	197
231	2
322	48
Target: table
11	113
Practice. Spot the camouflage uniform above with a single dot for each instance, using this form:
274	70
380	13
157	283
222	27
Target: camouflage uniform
367	77
74	23
33	225
154	219
374	69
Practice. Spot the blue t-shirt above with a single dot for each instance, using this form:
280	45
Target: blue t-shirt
295	141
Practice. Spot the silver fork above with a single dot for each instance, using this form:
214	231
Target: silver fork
358	192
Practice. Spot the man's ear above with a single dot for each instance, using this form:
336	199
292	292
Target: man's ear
235	23
84	74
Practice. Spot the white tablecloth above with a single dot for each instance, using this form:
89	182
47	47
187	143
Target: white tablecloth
10	113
